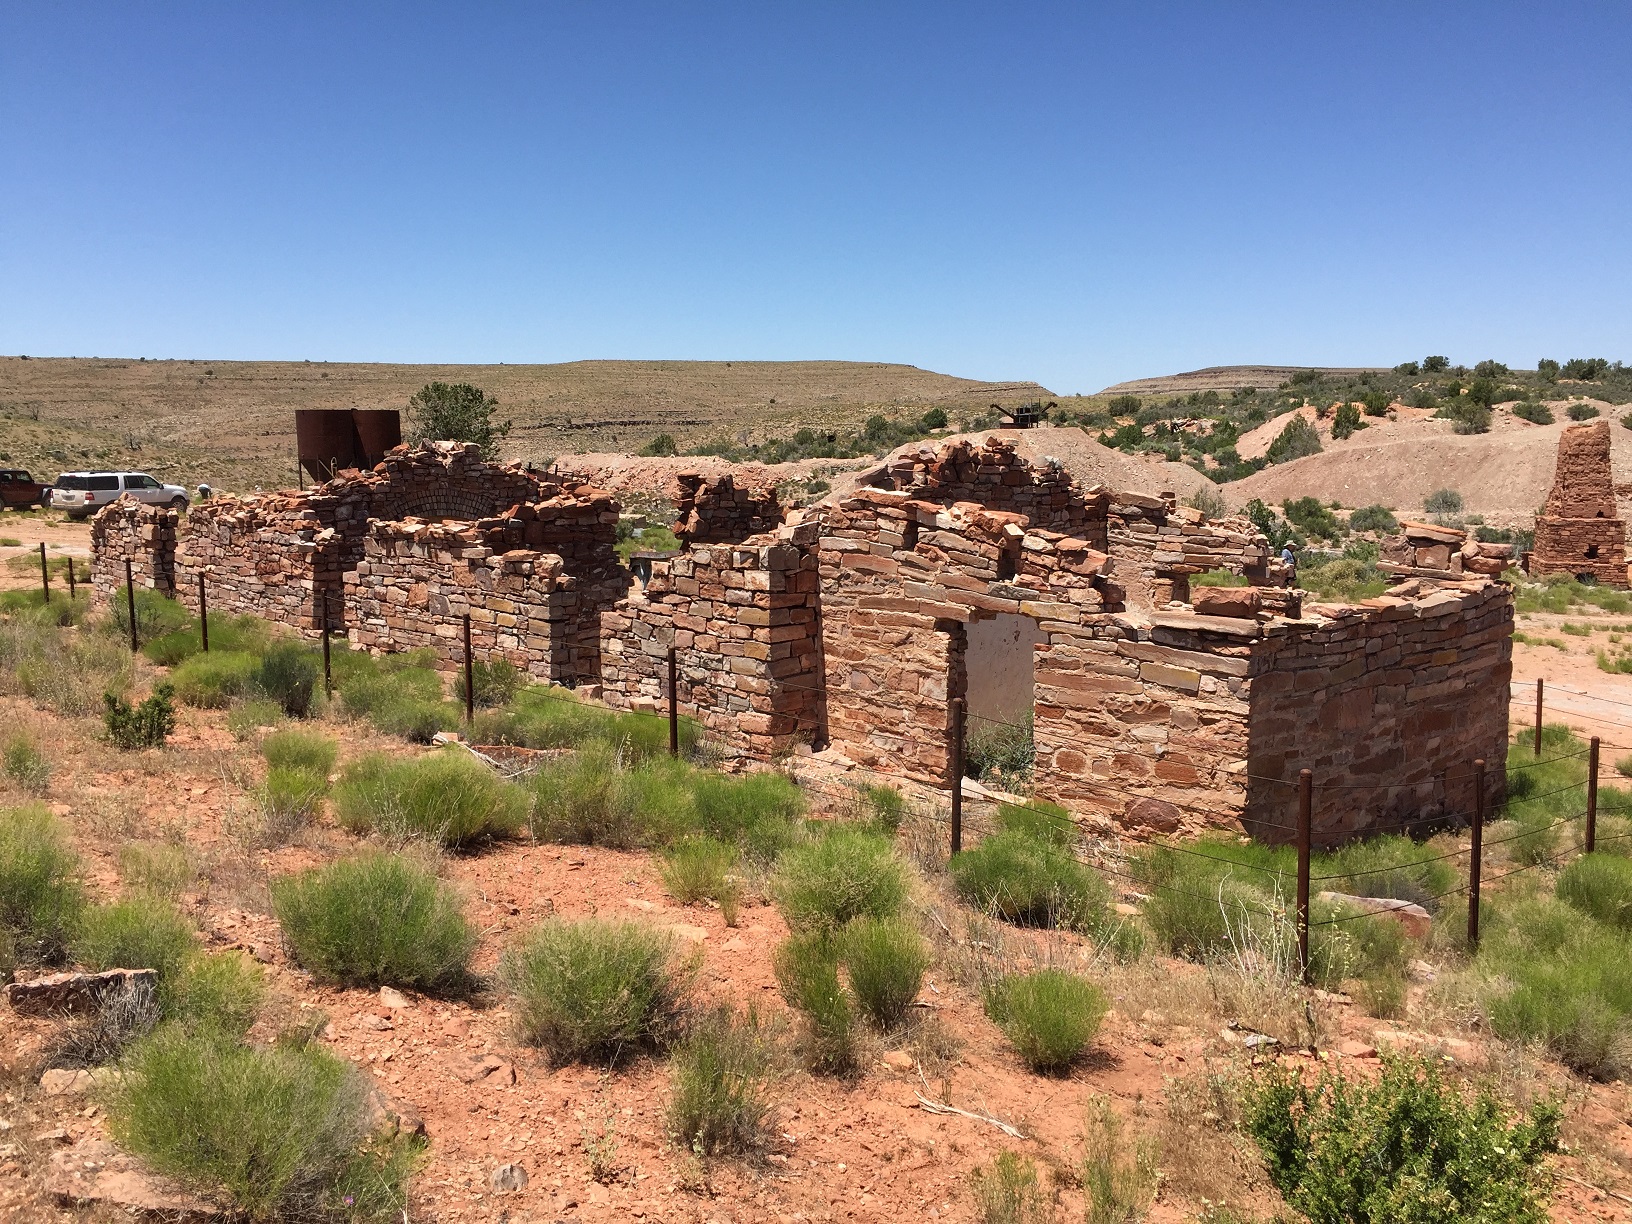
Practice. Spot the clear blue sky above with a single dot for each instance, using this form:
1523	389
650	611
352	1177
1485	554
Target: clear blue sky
1072	193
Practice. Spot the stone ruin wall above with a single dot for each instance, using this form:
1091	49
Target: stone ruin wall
1159	546
1427	550
744	621
1579	531
720	511
145	535
1411	687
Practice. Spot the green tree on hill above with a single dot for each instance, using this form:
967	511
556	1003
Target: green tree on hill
456	412
1298	439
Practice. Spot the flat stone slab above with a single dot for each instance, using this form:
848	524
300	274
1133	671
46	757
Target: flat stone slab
94	1171
1413	918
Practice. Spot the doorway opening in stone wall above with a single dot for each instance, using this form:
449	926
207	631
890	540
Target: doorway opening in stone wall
1000	689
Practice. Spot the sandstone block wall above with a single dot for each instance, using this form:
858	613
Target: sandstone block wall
745	622
1427	550
143	534
720	511
1579	531
1158	545
1387	703
993	476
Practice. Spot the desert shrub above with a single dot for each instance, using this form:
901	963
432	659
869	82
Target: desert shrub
155	867
807	970
1467	415
1406	1148
237	634
1031	882
25	764
305	751
156	616
1311	517
124	1014
885	959
494	682
1443	501
545	717
1557	977
999	753
1010	1192
1581	412
40	894
282	1132
1538	414
147	725
1347	421
377	920
448	797
245	718
595	991
1220	578
1049	1016
1118	1178
1296	441
1600	886
849	873
702	868
210	681
758	812
718	1102
140	932
67	673
590	798
287	675
220	992
1373	518
1040	820
289	799
885	806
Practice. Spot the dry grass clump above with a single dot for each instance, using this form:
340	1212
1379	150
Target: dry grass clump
1009	1191
447	797
718	1102
40	893
1049	1016
849	873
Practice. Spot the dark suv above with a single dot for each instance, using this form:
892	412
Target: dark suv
19	490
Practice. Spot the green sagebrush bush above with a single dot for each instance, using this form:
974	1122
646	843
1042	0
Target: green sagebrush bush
718	1102
549	717
493	682
1049	1016
807	970
885	959
757	812
282	1132
1010	1192
447	796
376	920
593	797
704	868
595	991
234	634
1406	1148
1599	885
156	616
848	873
400	694
211	681
147	725
308	752
24	764
288	674
40	893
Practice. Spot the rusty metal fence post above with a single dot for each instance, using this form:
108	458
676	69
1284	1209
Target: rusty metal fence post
73	594
1306	809
1592	796
328	674
45	573
1476	851
130	605
1539	683
674	705
470	680
203	616
955	751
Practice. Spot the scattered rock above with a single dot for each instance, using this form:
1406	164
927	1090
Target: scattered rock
58	1082
1413	918
389	1116
1124	910
688	932
374	1023
393	998
501	1076
508	1177
1350	1048
95	1171
898	1060
75	993
1240	602
58	1135
1421	971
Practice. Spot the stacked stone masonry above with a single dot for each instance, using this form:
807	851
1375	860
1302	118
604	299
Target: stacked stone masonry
1428	550
720	511
848	627
1580	532
145	536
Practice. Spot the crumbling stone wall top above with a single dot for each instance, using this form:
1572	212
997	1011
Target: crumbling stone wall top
994	475
717	510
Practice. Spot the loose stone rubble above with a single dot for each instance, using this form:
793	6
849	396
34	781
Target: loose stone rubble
845	629
1579	532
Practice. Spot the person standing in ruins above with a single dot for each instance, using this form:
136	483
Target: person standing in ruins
1290	560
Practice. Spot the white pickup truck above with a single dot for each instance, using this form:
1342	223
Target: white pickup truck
82	494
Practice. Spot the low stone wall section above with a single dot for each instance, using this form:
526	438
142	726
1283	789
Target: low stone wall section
145	535
717	510
745	623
